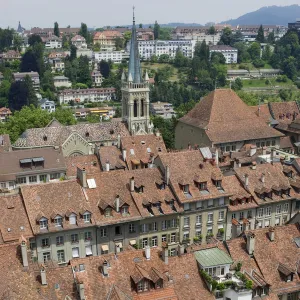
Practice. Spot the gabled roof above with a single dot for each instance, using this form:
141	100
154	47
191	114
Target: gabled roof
226	118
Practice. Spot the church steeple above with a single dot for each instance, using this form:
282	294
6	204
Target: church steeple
134	68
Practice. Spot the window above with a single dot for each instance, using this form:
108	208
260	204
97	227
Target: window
249	214
72	219
278	209
131	227
144	242
241	215
154	241
221	202
267	223
88	250
21	180
268	211
210	203
54	176
107	212
186	206
58	221
221	215
61	256
173	223
186	235
45	243
87	217
118	230
260	212
172	252
163	238
74	238
46	256
203	186
144	228
87	236
233	216
209	230
173	237
32	179
43	223
164	225
198	220
198	233
277	221
59	240
210	218
186	189
125	210
75	252
43	178
186	221
199	205
285	207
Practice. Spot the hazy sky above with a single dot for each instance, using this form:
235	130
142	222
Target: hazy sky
44	13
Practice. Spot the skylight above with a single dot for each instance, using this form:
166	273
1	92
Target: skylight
91	183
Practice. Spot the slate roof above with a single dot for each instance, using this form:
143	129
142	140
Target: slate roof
144	147
57	135
226	118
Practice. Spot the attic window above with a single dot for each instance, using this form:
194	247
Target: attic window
132	151
43	223
125	210
86	217
45	138
203	186
107	212
149	150
111	131
87	134
58	221
159	149
143	142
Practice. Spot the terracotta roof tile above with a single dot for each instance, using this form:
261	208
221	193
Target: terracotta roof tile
89	162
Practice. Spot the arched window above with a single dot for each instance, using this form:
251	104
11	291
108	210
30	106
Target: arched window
142	108
135	108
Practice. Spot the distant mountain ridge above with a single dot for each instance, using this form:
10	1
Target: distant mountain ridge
268	15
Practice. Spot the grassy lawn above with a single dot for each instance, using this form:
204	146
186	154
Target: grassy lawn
261	83
249	65
157	66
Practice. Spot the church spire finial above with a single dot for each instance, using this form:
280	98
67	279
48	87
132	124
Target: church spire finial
133	8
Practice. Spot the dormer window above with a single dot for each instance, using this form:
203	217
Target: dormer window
218	184
107	212
125	210
203	186
43	223
58	221
86	217
142	286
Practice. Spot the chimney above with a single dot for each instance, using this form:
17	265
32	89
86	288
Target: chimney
105	268
252	150
132	184
217	157
250	243
43	275
273	154
264	149
147	252
157	133
246	180
124	154
165	253
272	234
263	179
180	250
253	166
119	141
24	252
167	174
107	167
81	175
117	203
81	291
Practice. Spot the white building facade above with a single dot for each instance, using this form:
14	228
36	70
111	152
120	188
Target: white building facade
230	53
114	56
53	43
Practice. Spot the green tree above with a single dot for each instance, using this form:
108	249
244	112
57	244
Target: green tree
47	82
156	30
119	42
6	38
237	84
34	39
73	52
226	37
64	116
290	67
254	51
65	42
56	29
84	74
267	53
260	35
104	68
17	42
271	38
212	30
127	37
84	32
4	92
141	25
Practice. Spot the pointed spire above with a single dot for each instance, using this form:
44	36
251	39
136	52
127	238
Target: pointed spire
130	78
134	68
133	22
146	76
123	78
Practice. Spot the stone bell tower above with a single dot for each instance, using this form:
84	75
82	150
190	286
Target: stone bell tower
135	92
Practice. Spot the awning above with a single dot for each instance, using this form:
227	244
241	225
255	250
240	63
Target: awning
25	161
88	250
104	247
75	252
119	244
132	242
38	159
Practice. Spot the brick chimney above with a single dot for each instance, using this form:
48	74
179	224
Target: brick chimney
117	203
24	251
167	174
124	153
271	234
250	243
43	275
263	178
246	180
107	166
81	176
131	182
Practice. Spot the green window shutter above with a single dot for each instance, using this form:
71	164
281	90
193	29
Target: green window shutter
140	244
169	238
150	227
168	223
178	222
150	242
